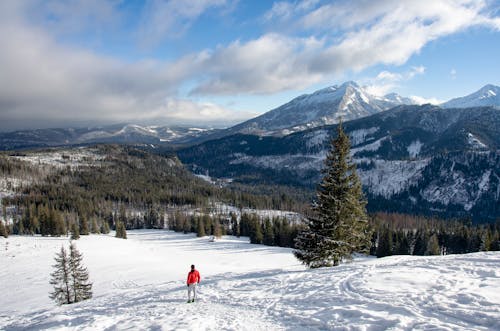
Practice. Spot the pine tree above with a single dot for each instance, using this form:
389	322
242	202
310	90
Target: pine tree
200	232
75	231
61	279
3	230
121	232
385	243
340	225
217	230
84	226
105	227
94	227
82	288
268	233
433	246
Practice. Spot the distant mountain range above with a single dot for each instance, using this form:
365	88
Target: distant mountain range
123	134
434	160
412	159
348	101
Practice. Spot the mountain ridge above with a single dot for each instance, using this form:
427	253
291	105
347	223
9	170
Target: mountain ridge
322	107
417	159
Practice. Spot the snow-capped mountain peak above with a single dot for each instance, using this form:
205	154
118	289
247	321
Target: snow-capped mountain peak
325	106
489	95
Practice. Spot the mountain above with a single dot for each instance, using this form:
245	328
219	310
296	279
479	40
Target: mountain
125	134
348	101
489	95
412	159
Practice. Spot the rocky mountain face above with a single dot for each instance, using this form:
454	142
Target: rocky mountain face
348	101
412	159
489	95
124	134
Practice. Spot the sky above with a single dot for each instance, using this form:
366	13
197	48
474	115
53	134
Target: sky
219	62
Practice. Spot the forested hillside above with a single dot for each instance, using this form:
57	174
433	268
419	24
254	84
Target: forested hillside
106	183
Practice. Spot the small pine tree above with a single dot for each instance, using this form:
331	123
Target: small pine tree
340	226
82	288
94	227
268	233
121	232
84	226
75	231
384	247
3	230
433	246
60	279
105	227
200	232
217	230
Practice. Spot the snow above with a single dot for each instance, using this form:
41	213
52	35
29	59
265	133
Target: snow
316	138
296	162
389	177
488	94
414	148
72	158
369	147
359	136
139	284
458	189
474	142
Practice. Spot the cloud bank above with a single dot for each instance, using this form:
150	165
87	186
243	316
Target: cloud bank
45	80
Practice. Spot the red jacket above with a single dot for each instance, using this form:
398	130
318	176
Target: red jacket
193	277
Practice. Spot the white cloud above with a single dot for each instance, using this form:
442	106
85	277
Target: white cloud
268	64
43	80
421	100
453	73
284	10
171	18
373	32
184	111
387	81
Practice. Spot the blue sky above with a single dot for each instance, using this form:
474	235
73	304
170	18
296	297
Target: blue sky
218	62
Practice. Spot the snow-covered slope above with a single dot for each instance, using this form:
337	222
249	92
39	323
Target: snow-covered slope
347	101
139	285
489	95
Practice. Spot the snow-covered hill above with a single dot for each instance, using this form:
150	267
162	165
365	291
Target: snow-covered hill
347	101
139	285
489	95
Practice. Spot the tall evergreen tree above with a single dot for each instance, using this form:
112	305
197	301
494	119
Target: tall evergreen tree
61	279
340	226
82	288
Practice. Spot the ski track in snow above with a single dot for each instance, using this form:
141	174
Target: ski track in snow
455	292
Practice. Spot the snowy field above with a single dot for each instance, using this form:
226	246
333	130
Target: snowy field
139	284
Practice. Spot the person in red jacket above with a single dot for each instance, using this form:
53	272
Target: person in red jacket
193	280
